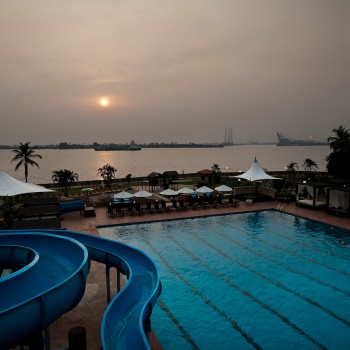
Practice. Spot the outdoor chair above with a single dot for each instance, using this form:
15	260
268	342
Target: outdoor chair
111	211
151	208
236	203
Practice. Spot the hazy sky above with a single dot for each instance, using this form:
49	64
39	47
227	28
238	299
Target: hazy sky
173	70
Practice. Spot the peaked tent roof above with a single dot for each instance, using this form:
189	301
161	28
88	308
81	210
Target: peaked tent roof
9	186
255	173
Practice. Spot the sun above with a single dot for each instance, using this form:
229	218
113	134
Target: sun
104	102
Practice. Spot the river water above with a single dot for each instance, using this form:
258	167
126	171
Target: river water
141	163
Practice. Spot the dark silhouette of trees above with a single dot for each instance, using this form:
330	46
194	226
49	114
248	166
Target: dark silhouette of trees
25	154
65	179
292	168
309	165
128	180
216	173
107	172
339	159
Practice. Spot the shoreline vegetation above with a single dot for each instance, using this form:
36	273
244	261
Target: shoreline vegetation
185	180
67	146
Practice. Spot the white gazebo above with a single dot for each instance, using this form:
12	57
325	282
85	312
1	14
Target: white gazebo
255	174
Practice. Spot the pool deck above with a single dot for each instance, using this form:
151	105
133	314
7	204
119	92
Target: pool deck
90	310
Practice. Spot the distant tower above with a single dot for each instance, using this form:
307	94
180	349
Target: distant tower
228	136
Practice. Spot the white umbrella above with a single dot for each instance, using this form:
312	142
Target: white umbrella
223	188
185	190
204	189
142	194
169	192
123	195
87	190
10	186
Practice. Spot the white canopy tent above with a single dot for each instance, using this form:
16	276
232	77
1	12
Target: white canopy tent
9	186
256	173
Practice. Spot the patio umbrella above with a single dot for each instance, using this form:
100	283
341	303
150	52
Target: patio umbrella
123	195
185	190
9	186
87	190
142	194
223	188
204	189
169	192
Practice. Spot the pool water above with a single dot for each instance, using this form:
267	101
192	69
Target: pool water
263	280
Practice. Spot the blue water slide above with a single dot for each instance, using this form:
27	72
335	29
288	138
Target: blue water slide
49	281
51	269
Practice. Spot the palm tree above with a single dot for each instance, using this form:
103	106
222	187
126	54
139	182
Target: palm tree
107	172
341	136
216	173
292	167
25	153
128	179
64	178
340	156
309	164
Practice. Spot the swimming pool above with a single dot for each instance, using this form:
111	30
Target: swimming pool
264	280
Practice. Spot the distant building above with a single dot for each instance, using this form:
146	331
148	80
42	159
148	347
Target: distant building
206	176
170	178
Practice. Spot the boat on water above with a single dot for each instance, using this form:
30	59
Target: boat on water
132	146
284	140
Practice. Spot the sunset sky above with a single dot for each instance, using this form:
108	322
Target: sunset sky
172	70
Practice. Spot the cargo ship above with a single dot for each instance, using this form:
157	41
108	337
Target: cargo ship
283	140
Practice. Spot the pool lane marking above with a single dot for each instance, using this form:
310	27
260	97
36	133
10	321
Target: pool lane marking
293	253
206	300
289	268
247	293
316	249
276	283
183	331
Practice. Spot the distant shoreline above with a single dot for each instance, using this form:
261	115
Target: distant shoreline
68	146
